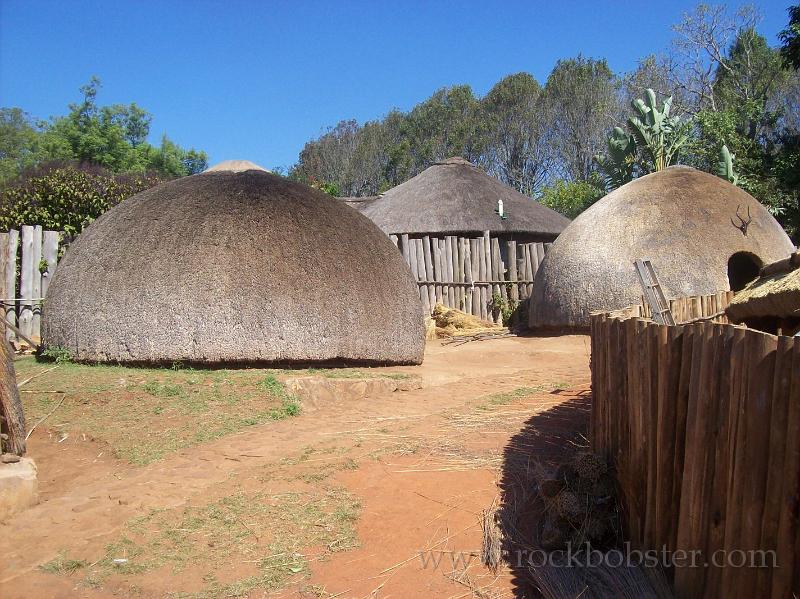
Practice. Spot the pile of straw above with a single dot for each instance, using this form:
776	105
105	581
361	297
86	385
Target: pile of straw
450	322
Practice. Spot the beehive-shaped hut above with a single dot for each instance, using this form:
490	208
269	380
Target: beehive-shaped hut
234	265
701	234
454	197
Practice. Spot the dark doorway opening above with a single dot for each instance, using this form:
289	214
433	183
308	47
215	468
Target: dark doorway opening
743	267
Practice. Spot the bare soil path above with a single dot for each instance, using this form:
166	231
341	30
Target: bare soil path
421	465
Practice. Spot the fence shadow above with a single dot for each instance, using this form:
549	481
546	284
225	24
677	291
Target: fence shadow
547	439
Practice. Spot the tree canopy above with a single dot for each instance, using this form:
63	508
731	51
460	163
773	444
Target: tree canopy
113	137
65	172
586	129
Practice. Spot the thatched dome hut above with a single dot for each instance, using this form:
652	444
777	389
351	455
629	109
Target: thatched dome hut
771	303
454	197
685	221
234	266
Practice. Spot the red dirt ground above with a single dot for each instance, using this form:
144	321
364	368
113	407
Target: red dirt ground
427	496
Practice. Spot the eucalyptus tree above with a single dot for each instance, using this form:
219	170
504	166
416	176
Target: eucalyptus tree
580	99
516	135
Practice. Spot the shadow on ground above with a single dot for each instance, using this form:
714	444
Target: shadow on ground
547	439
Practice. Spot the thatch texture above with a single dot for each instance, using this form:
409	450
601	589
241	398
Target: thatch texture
679	218
12	418
227	267
359	204
774	294
453	197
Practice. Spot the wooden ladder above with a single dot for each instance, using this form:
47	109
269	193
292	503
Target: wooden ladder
653	293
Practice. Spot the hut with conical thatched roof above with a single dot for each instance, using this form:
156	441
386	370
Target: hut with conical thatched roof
234	265
454	197
701	234
771	303
471	242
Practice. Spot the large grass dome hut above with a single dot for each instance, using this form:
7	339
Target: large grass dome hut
234	265
454	197
701	234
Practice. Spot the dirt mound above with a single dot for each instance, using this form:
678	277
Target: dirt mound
452	323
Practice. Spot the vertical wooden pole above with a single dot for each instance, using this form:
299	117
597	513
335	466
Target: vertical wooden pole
476	276
10	276
26	282
777	455
426	251
467	276
498	260
462	275
786	544
437	268
4	294
404	248
481	241
448	254
422	275
36	290
512	270
50	255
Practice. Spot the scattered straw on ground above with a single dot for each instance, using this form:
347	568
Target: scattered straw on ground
453	323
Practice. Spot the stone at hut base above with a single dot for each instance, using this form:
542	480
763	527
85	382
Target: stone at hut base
18	487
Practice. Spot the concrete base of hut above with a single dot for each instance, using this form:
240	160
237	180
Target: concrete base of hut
19	487
318	389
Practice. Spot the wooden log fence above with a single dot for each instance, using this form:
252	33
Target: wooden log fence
28	260
701	422
467	273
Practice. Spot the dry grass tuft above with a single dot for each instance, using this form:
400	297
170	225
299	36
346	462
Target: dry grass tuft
492	545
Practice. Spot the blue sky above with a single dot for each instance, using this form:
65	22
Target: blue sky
255	80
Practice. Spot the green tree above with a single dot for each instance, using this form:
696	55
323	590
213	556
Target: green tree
570	198
114	137
516	136
18	142
790	38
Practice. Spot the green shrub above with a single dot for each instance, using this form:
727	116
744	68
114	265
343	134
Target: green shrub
66	197
57	354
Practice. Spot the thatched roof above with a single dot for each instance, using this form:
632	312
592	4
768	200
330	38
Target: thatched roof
227	267
360	203
453	197
775	293
235	166
679	218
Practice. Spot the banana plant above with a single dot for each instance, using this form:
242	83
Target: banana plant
658	133
725	165
619	164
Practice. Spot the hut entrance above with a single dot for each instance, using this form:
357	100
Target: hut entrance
743	267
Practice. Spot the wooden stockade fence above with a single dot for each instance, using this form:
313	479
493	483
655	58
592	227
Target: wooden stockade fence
28	260
466	273
702	422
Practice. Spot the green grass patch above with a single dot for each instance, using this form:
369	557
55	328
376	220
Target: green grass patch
144	414
270	531
500	399
61	564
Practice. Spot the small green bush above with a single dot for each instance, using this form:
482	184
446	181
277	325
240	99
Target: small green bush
57	354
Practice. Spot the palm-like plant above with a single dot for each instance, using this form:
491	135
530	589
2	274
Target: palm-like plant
619	165
658	133
725	165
